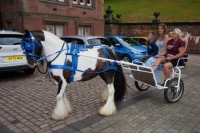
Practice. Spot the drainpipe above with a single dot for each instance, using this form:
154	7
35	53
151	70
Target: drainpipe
22	13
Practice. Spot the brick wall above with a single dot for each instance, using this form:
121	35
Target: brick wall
36	14
141	29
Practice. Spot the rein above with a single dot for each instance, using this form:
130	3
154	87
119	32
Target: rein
49	63
29	44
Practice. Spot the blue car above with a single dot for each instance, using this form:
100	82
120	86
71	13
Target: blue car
127	49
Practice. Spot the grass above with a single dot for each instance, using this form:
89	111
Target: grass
142	10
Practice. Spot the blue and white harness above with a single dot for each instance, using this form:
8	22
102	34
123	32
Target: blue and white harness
73	50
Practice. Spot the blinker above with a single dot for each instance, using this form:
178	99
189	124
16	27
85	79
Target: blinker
28	46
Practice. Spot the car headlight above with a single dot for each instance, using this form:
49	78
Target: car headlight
135	52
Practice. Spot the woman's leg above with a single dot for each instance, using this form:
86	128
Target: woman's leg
150	63
158	62
167	69
158	76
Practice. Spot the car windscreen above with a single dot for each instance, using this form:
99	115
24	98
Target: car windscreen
10	39
98	41
129	42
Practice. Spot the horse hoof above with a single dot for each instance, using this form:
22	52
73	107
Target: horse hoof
105	112
58	117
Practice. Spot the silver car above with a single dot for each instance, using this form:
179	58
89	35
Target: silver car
86	40
11	54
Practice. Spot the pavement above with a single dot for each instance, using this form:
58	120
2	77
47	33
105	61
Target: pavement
26	103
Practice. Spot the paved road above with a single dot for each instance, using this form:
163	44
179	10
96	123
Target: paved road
26	103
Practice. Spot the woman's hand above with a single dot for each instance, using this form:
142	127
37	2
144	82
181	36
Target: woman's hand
169	59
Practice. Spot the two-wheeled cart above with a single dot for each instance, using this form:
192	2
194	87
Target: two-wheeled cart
144	78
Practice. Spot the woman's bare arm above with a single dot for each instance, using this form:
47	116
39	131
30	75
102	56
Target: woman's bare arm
164	51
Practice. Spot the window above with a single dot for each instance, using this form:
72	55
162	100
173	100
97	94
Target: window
75	2
98	41
50	28
82	2
129	42
143	41
89	3
59	31
84	30
78	41
113	41
60	2
73	40
55	29
10	39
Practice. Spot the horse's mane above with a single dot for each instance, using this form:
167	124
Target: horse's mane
51	35
42	65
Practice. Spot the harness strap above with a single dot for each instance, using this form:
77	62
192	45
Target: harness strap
73	50
74	67
61	67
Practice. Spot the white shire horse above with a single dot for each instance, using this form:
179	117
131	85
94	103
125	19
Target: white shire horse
67	66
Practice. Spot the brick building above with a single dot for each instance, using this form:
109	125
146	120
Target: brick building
61	17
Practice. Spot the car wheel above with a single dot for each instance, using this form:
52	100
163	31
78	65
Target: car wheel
29	71
126	58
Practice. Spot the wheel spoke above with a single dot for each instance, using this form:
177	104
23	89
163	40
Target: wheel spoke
174	94
172	91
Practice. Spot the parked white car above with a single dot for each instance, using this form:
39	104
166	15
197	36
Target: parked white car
11	54
86	40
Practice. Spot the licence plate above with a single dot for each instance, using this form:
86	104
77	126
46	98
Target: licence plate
14	58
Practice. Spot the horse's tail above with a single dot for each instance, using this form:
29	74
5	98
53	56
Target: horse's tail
119	84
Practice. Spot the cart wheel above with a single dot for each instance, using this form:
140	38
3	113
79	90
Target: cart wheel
171	95
141	86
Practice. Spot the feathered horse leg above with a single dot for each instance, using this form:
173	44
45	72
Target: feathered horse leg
109	108
116	92
63	107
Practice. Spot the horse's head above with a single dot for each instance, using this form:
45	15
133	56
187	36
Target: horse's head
32	47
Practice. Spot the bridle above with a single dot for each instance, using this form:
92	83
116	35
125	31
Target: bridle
28	45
